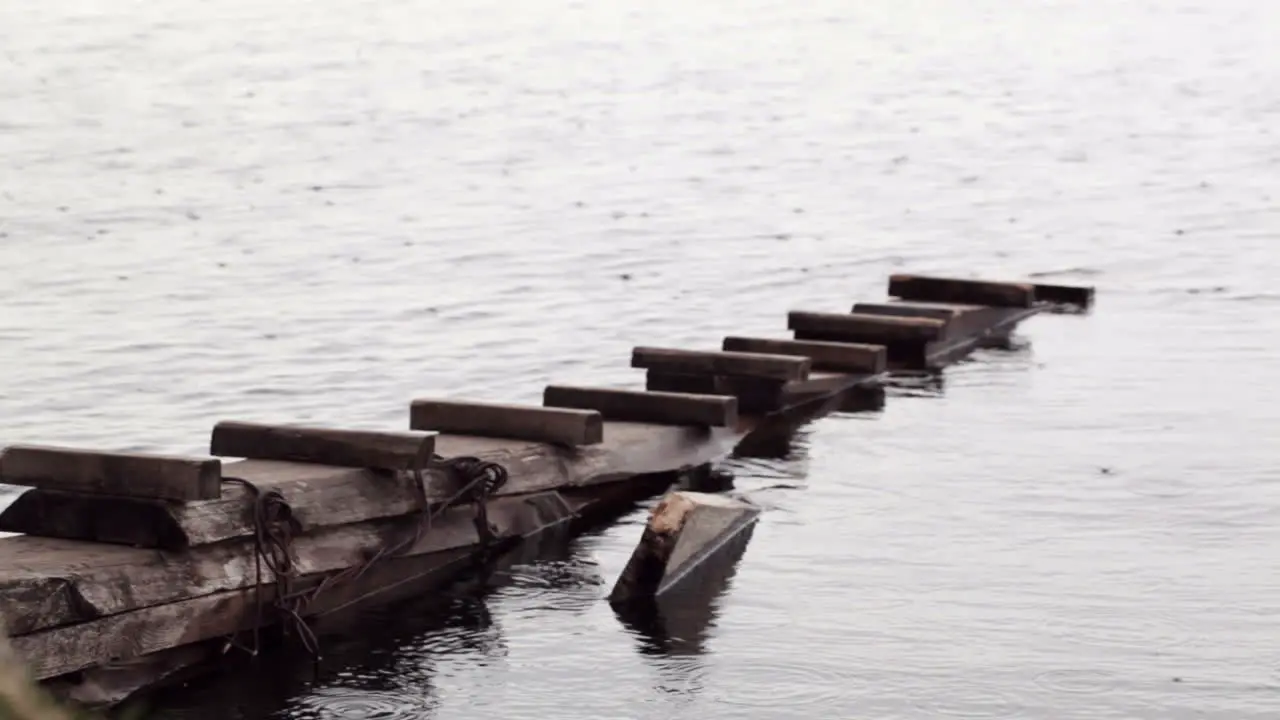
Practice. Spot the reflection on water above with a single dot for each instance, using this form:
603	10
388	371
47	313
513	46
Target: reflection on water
316	211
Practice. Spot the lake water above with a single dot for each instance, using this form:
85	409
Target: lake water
316	211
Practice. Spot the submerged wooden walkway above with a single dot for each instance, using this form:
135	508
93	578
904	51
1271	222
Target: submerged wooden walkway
133	567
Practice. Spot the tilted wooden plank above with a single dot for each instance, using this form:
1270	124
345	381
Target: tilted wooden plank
111	473
563	426
877	329
956	290
745	364
649	407
826	356
324	446
323	495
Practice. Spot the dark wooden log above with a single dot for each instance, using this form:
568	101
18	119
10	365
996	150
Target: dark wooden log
744	364
563	426
754	395
1079	296
906	308
147	601
684	536
649	407
825	356
955	290
324	446
875	329
322	495
110	473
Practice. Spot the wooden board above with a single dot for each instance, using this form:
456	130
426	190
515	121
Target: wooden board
824	356
111	473
874	329
955	290
644	406
754	395
562	426
323	495
742	364
324	446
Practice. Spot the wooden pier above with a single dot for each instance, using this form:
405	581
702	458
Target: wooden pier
130	568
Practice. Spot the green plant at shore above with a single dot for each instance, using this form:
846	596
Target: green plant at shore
20	697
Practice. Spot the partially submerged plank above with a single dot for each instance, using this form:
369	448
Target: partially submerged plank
825	356
754	395
956	290
1079	296
563	426
105	581
649	407
685	534
876	329
322	495
324	446
96	472
744	364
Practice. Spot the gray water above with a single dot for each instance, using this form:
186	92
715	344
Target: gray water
317	211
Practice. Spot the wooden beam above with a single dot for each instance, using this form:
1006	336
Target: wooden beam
754	395
323	446
663	408
907	308
109	473
563	426
1078	296
825	356
324	495
955	290
686	533
877	329
744	364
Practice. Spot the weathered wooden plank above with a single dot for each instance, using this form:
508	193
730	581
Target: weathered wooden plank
324	446
685	532
876	329
825	356
126	474
563	426
908	308
1079	296
119	580
955	290
651	407
744	364
754	395
322	495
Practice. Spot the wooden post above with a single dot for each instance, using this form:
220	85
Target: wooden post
561	426
955	290
826	356
162	477
744	364
323	446
878	329
686	532
661	408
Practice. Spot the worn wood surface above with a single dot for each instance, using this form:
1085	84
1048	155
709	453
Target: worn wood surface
644	406
171	601
322	495
110	473
873	329
744	364
956	290
324	446
824	356
563	426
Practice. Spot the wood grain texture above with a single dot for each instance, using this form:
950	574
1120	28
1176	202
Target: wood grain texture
111	473
562	426
323	446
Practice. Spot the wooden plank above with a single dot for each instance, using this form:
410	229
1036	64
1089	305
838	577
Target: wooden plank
324	446
650	407
109	580
1079	296
956	290
322	495
754	395
685	535
126	474
907	308
876	329
563	426
744	364
825	356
